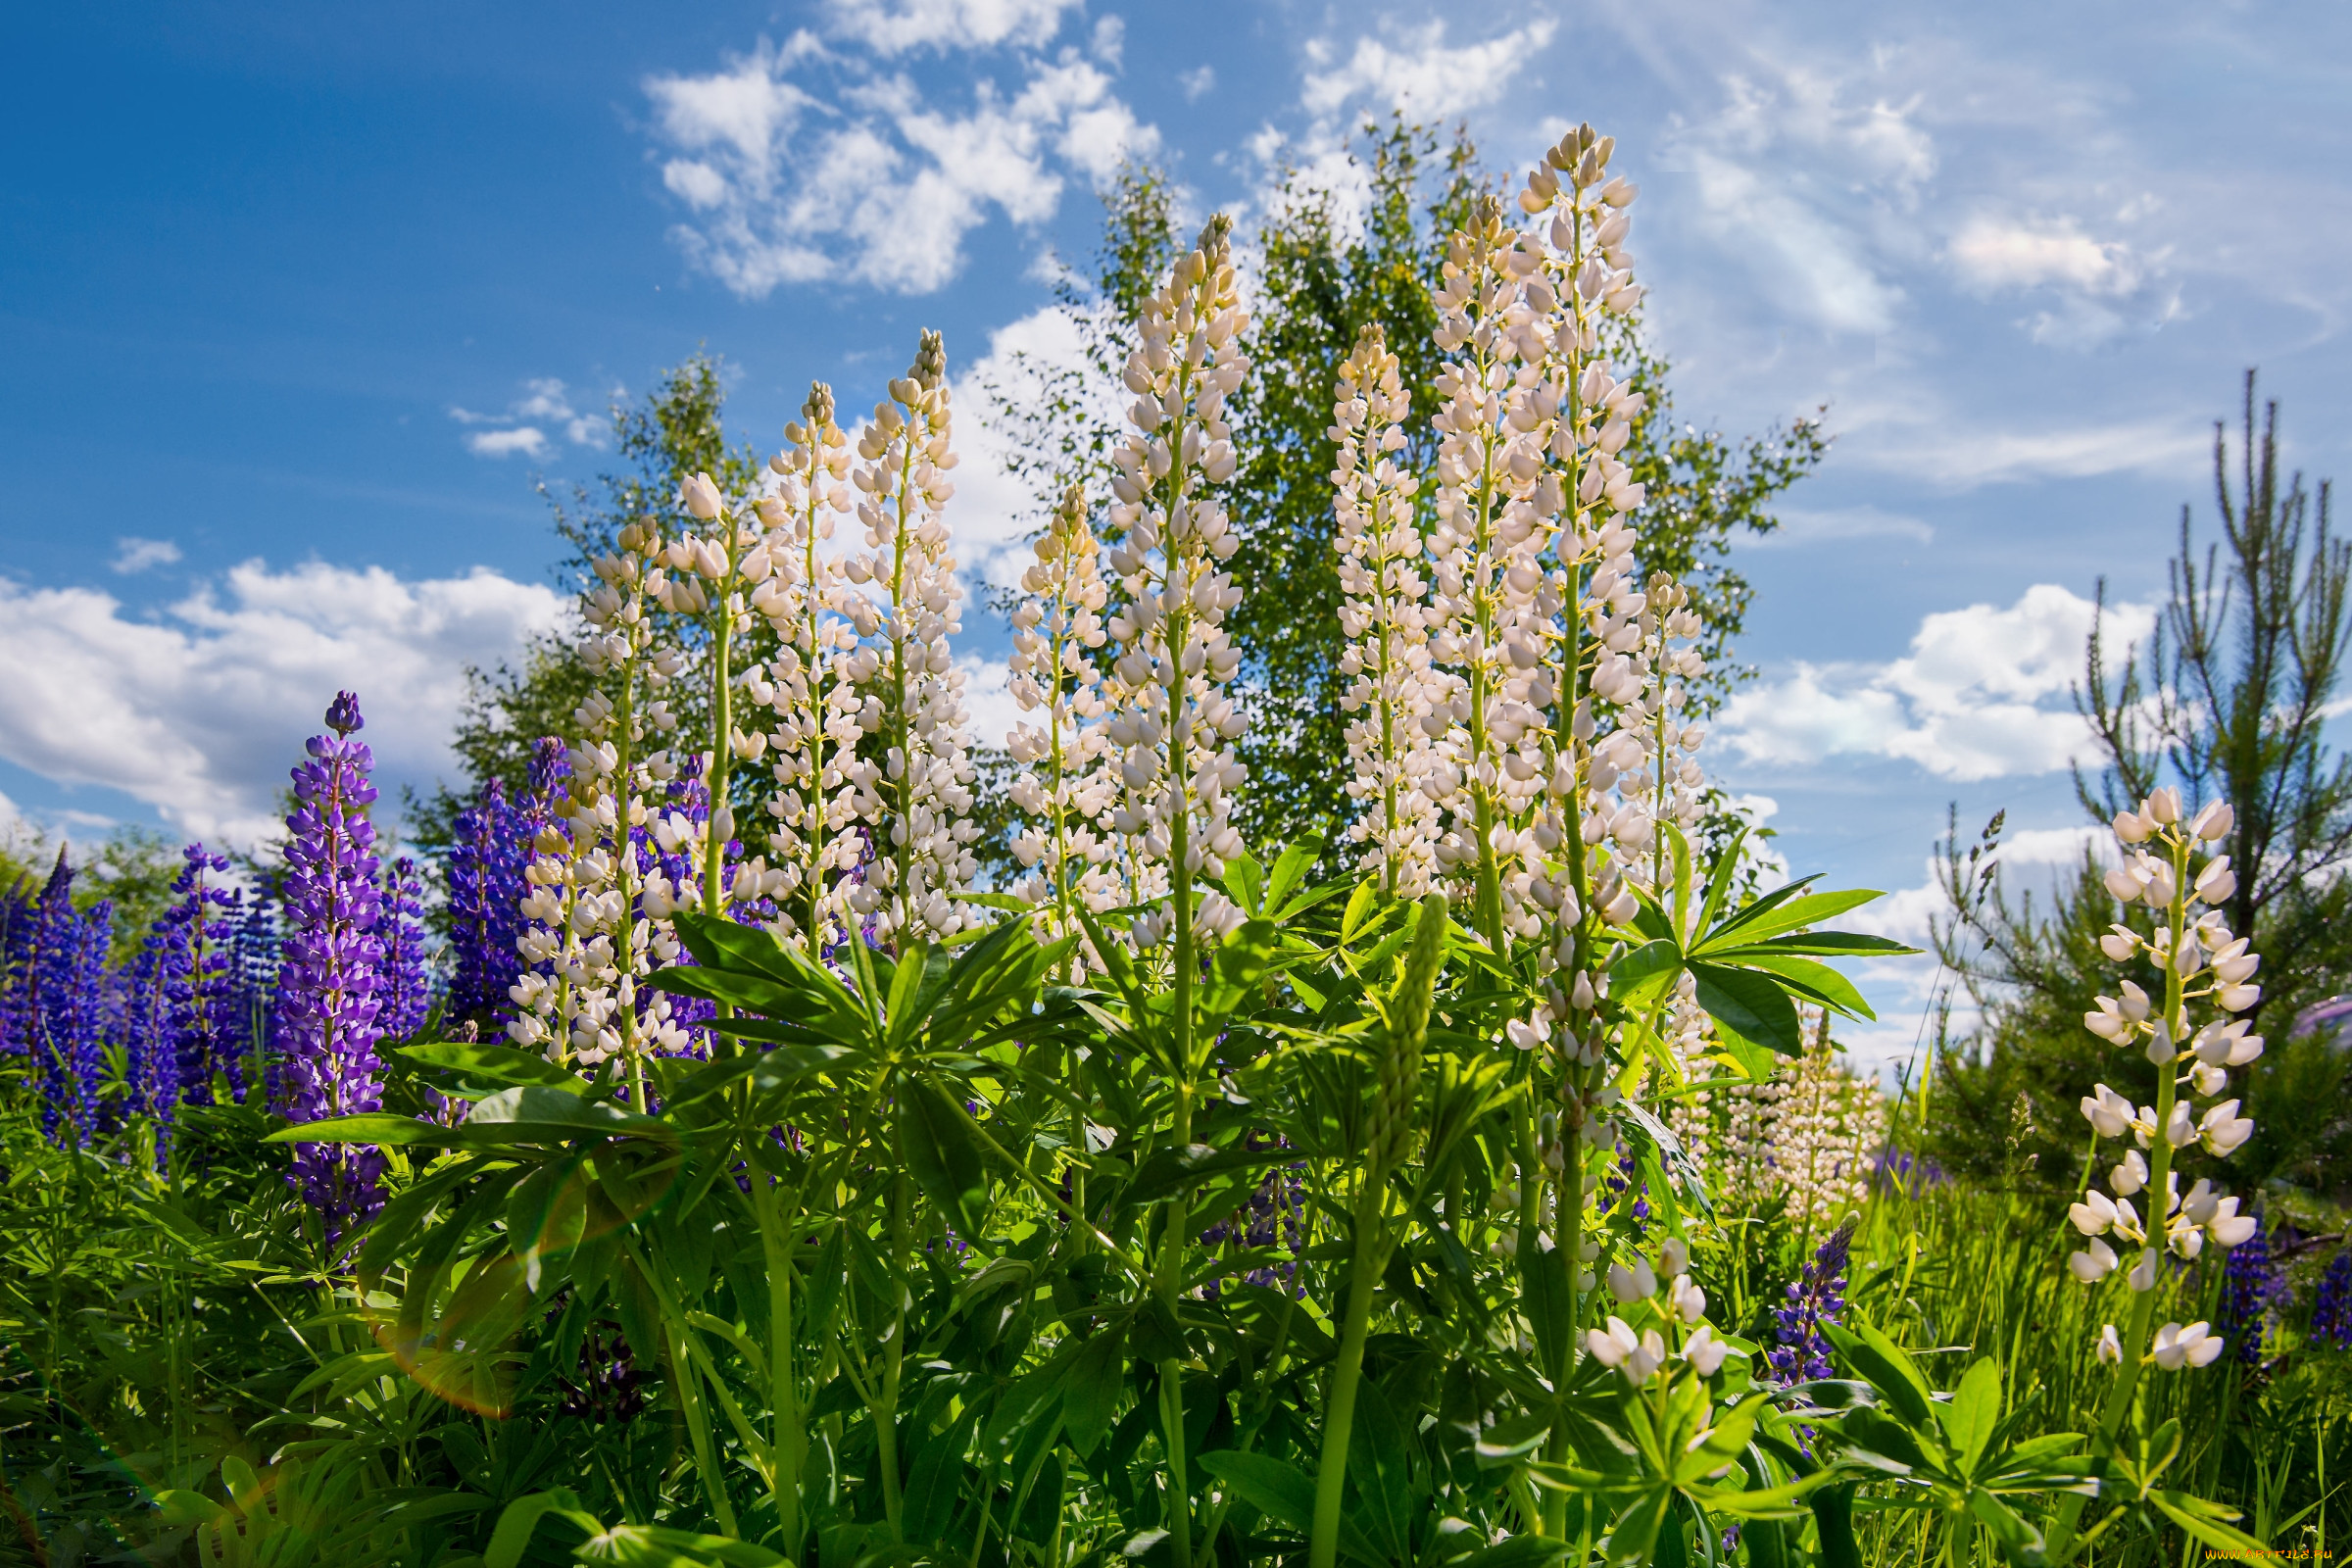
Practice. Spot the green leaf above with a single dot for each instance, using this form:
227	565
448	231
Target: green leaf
501	1065
1750	1007
2199	1518
1814	980
1520	1551
368	1127
942	1148
2018	1539
1974	1412
1090	1396
1279	1490
520	1519
551	1116
1887	1368
1170	1170
1778	912
1649	968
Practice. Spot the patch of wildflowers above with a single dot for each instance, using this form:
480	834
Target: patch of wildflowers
2331	1306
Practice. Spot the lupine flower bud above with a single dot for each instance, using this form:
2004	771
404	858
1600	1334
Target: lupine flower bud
1704	1353
701	497
2130	828
2163	806
2214	823
1634	1284
2110	1346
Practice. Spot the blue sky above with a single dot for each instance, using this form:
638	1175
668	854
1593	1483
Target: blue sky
299	303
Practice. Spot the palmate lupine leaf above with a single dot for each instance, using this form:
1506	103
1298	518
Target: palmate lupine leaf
1750	967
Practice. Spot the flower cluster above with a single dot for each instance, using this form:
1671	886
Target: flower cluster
1675	1301
2332	1307
913	782
2199	961
328	1001
1171	720
1813	1298
57	1001
809	684
484	875
407	983
1066	788
1394	691
2250	1288
592	934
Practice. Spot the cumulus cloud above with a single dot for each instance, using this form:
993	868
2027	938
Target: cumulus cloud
1421	73
1983	693
133	555
988	703
199	712
1994	253
806	162
546	401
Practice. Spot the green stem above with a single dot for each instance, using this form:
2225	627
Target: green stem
1339	1409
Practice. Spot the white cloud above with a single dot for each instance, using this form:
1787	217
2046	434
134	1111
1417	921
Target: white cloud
895	27
133	555
1421	75
989	708
1993	253
1197	83
527	439
199	712
994	510
1791	175
546	400
1983	693
867	176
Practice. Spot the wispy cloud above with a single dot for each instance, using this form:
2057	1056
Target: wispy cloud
133	555
522	430
813	163
1419	73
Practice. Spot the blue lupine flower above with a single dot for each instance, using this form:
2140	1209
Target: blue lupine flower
486	886
330	979
2331	1310
87	1012
252	999
2250	1284
1803	1350
406	984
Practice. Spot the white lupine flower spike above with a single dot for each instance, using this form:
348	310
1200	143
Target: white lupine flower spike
1066	789
2207	973
914	784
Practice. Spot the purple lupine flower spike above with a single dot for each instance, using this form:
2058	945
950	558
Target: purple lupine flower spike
408	993
78	1027
330	979
480	893
2250	1285
2332	1307
252	1006
1803	1351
